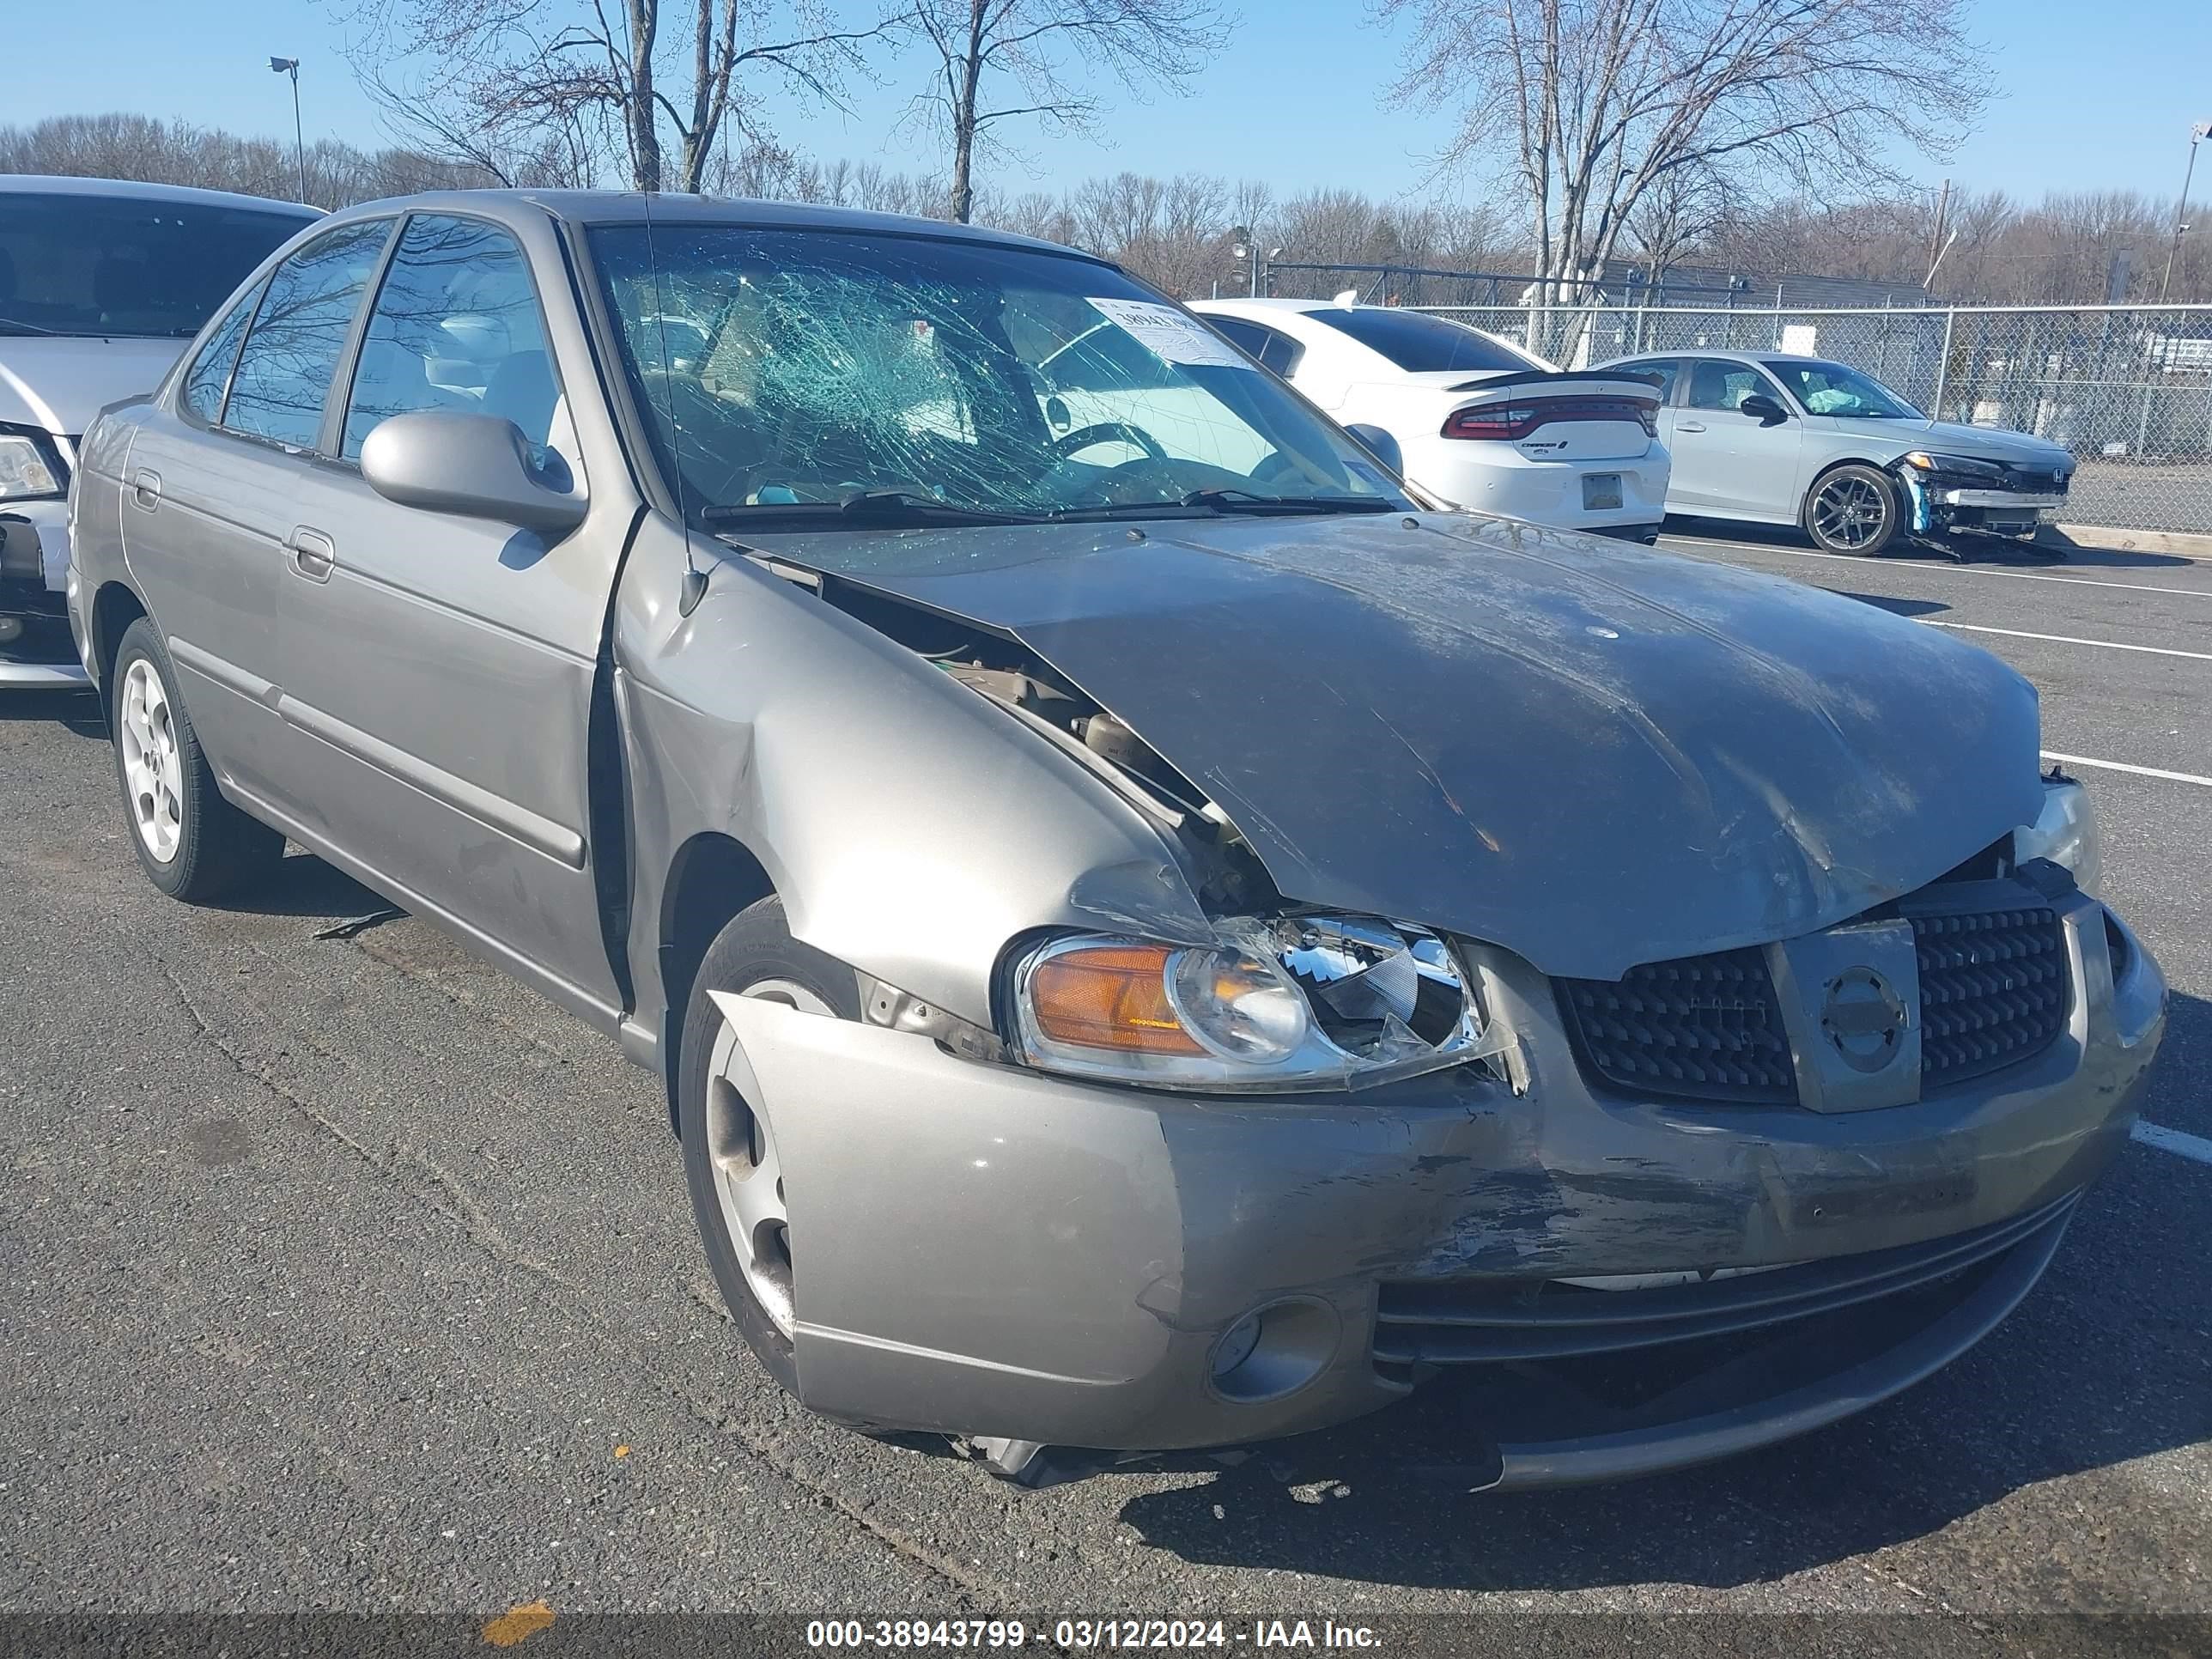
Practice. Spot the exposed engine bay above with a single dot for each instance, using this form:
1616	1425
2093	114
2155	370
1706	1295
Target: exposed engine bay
1010	674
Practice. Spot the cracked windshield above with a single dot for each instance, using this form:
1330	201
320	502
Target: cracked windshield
917	381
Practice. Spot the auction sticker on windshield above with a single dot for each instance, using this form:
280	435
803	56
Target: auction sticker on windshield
1171	335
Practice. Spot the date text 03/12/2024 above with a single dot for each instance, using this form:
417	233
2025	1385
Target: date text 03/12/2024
1085	1634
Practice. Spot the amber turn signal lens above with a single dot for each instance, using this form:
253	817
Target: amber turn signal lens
1110	996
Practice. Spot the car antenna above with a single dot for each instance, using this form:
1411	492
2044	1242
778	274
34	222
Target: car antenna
694	579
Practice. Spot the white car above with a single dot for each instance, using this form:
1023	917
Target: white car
1478	421
102	283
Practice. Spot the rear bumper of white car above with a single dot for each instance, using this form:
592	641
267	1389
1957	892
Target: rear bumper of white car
1495	478
36	650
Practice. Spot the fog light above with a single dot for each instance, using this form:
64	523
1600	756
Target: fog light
11	629
1275	1350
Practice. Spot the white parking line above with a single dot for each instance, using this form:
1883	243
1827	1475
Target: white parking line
2194	1148
2123	766
2069	638
1951	569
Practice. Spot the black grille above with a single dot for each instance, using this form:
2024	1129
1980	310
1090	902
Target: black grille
1993	989
1490	1320
2040	480
1705	1028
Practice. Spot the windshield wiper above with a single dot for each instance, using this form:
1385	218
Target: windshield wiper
1231	499
16	324
878	507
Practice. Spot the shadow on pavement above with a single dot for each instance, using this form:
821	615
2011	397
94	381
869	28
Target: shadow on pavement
1967	549
1896	607
73	711
2102	1365
303	885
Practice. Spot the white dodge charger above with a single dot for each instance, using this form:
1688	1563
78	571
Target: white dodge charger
1478	421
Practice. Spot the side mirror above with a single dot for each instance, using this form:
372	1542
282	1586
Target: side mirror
477	467
1381	445
1764	410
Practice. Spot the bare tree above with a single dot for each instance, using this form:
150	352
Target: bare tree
580	86
1001	60
1594	103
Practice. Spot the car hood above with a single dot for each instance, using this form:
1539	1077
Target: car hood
1591	754
1988	443
59	385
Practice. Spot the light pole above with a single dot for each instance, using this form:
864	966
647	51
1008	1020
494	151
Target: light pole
291	66
2197	134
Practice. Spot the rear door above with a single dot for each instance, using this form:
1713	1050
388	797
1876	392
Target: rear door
210	495
1726	461
446	665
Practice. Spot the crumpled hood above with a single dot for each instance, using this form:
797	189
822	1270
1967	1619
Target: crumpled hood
1589	753
59	385
1989	443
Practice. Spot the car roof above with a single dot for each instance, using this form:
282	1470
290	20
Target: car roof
66	184
1262	306
629	207
1725	354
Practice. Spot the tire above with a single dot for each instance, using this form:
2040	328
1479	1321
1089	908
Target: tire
1854	509
193	844
724	1137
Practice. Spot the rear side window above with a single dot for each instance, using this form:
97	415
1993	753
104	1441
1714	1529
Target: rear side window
456	326
284	372
1421	344
1662	374
1250	337
208	378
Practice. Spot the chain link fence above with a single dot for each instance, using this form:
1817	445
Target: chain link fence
2127	389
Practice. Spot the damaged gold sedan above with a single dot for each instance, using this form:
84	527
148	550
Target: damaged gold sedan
1154	937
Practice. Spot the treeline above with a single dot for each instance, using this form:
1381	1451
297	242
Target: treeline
1181	233
2059	251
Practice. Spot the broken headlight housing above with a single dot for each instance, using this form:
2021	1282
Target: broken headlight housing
1280	1005
2065	833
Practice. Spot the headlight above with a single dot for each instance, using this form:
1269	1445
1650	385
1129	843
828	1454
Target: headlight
1952	465
1286	1004
28	467
2066	834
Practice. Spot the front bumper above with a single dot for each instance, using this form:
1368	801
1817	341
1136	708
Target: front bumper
1941	504
988	1251
35	567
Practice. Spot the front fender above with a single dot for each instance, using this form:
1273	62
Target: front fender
910	827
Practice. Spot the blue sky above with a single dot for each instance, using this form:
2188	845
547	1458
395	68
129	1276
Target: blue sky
2092	96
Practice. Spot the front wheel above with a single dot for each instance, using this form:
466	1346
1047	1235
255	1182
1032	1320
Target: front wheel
1855	509
731	1161
193	844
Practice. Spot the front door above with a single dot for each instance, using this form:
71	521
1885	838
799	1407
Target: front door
445	665
1726	461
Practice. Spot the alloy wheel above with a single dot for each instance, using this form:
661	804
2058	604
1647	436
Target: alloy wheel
153	769
1849	513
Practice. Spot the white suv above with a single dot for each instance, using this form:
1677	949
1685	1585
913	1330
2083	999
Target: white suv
102	283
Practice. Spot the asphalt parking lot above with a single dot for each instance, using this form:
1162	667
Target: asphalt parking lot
338	1271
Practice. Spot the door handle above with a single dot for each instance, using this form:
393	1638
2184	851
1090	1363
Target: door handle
314	554
1689	426
146	489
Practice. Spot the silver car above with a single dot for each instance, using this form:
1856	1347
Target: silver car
1768	438
1141	952
102	283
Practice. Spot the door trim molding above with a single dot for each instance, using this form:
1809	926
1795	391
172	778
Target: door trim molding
541	835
